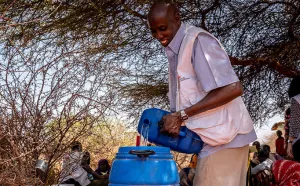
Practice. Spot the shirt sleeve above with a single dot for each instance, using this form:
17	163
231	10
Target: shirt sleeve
294	123
211	63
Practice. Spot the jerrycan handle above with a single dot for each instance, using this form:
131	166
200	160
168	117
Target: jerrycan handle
141	153
181	133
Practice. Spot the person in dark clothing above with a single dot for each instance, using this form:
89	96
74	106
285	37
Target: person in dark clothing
97	179
264	153
103	167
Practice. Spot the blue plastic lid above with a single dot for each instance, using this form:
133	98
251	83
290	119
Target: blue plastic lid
130	152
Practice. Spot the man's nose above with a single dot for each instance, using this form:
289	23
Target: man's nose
159	35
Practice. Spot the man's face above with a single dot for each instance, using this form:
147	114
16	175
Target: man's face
164	27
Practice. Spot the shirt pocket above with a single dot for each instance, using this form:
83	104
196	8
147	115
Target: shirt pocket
211	118
190	92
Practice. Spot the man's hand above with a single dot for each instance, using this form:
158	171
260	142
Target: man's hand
172	123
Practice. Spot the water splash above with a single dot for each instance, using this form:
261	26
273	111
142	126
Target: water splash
144	135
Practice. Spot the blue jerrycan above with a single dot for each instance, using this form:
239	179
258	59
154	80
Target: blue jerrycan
149	127
136	166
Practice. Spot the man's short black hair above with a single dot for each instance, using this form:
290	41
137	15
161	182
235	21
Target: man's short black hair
171	3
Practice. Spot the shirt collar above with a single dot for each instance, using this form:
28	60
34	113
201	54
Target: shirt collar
174	45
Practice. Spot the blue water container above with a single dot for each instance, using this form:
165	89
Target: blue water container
186	142
145	165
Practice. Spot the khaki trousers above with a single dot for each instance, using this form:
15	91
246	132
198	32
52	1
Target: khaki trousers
227	167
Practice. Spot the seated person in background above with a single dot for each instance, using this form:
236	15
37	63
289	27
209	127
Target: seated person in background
72	172
266	159
265	162
261	173
95	178
255	160
279	143
103	168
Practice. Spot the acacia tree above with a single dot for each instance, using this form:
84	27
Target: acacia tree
261	37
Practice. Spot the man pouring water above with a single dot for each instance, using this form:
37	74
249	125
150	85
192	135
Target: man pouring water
204	94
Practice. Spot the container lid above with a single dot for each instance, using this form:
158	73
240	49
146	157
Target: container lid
132	152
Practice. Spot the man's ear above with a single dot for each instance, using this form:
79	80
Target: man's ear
177	17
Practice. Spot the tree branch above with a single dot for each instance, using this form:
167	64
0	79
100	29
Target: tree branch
272	64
